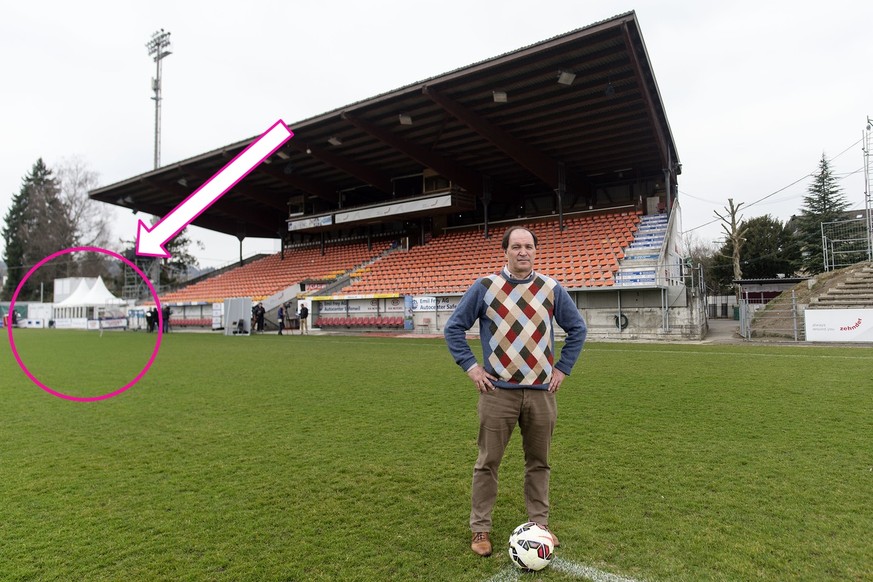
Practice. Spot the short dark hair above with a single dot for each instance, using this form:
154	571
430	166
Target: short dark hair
512	229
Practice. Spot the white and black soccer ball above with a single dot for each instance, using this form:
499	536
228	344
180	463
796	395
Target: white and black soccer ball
531	547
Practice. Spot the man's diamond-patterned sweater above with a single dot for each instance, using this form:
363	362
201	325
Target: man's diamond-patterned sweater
516	328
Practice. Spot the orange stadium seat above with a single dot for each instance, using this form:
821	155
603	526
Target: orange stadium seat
585	253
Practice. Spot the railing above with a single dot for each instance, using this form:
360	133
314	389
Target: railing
776	319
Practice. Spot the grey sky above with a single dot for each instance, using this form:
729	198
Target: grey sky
755	92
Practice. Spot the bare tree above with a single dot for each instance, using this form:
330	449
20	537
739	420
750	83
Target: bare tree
91	219
735	235
702	253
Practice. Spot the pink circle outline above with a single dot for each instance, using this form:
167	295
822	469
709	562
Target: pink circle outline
157	343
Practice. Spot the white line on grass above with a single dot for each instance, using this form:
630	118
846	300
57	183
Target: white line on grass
572	569
590	352
509	574
859	356
582	571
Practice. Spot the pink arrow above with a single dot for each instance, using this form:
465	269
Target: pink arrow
150	241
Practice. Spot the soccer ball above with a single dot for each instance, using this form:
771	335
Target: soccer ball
530	547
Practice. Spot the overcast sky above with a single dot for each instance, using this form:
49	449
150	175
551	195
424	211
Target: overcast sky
755	91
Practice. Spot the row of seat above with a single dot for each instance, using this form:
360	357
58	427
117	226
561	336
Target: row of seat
269	275
585	253
203	322
378	322
448	264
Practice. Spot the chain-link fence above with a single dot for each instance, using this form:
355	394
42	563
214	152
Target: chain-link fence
776	320
845	243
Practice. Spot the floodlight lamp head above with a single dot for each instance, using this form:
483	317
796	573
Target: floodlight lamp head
500	96
566	78
160	41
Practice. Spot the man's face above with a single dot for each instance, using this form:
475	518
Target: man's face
520	252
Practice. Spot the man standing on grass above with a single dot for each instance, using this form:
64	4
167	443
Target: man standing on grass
519	378
304	315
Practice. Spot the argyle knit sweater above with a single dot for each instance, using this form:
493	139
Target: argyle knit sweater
516	329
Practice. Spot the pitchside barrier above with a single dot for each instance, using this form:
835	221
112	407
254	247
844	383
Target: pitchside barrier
839	325
788	320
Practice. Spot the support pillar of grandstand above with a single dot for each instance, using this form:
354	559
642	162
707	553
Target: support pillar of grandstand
619	315
486	201
240	236
668	187
560	191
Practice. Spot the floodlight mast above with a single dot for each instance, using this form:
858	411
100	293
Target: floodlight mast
868	184
158	47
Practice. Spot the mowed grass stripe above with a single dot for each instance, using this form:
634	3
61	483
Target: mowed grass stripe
325	458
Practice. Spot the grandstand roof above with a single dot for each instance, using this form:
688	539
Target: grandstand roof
608	121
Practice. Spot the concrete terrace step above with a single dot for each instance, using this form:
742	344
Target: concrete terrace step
842	304
638	265
650	235
860	290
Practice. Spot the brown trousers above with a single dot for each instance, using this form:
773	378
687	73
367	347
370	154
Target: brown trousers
535	412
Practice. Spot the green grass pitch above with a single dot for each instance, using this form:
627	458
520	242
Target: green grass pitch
349	458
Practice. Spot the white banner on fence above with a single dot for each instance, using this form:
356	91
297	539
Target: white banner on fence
429	303
839	325
217	315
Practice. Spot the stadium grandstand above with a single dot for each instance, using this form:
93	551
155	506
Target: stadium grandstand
390	207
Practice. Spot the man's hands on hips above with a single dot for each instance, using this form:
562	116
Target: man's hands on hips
482	379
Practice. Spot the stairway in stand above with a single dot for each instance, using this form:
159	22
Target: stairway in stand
640	263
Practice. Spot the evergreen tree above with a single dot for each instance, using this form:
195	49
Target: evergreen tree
37	224
14	245
824	202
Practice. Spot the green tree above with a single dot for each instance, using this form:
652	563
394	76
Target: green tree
36	225
769	249
173	271
824	202
14	245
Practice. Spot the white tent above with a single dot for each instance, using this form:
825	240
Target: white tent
100	296
90	293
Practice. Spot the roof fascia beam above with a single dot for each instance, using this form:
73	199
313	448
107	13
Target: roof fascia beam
360	171
203	221
448	168
249	192
245	215
537	163
308	185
